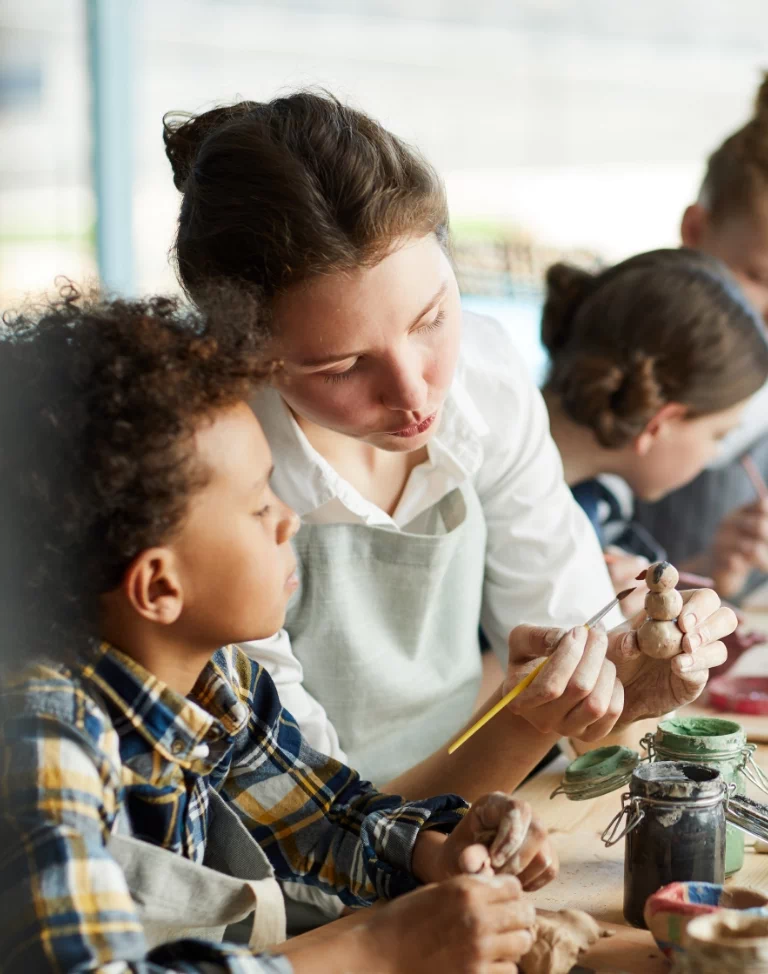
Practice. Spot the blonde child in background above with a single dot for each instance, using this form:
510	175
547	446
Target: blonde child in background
716	525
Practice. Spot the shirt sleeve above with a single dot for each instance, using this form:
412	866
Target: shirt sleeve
64	902
316	820
276	656
543	560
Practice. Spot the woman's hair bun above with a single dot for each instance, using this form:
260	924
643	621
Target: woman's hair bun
184	133
567	286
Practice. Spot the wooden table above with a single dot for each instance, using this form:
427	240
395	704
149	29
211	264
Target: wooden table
592	876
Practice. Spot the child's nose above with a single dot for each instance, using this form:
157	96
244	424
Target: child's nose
289	525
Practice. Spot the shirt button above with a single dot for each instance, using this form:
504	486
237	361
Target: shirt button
177	745
199	752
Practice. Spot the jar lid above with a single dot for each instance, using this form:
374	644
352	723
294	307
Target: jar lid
677	781
598	772
686	738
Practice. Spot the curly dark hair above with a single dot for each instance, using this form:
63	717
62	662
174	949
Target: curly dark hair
99	400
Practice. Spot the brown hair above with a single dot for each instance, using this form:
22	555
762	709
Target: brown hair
276	192
666	326
737	172
98	401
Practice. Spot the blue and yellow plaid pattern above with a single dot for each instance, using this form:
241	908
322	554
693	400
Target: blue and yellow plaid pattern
77	749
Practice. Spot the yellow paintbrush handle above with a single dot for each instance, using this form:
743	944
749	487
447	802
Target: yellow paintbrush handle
507	698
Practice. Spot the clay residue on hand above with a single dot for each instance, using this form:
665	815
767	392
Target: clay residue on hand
559	939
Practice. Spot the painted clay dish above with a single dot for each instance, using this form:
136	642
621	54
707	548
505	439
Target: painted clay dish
669	911
740	694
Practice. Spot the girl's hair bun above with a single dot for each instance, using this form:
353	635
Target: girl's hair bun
567	286
666	326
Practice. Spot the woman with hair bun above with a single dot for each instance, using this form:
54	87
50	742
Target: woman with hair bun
410	439
652	364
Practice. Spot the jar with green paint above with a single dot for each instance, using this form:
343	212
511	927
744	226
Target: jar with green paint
721	744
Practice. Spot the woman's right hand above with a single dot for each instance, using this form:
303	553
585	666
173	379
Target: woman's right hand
466	925
577	694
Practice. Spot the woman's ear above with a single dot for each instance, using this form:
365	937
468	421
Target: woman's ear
658	425
694	225
153	587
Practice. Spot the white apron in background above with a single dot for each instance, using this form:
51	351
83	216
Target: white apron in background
371	625
177	898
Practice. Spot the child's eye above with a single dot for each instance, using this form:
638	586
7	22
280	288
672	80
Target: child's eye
264	511
435	323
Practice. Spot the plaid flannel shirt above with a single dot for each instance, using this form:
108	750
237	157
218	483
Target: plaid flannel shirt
78	747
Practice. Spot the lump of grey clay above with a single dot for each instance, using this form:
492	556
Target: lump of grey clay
559	939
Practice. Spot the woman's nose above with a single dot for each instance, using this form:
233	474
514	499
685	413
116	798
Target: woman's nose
405	390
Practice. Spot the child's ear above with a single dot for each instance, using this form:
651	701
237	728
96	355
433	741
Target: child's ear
694	225
671	412
153	587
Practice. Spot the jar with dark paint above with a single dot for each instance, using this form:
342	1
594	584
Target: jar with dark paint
675	830
715	742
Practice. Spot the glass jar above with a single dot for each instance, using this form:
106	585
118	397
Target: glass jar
675	830
711	741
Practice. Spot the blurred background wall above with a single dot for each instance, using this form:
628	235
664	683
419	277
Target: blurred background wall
560	126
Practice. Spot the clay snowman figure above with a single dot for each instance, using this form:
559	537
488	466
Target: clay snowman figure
659	635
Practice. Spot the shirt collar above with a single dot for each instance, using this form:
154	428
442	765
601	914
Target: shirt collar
178	727
306	481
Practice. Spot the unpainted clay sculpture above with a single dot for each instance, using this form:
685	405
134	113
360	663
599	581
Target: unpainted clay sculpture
659	636
559	939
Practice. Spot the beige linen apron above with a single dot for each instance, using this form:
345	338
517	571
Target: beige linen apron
176	898
385	624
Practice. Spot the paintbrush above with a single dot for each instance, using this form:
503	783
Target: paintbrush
528	680
755	477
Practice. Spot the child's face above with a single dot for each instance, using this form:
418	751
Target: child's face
678	452
741	242
233	553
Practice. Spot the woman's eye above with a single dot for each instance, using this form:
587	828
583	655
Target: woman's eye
435	323
340	376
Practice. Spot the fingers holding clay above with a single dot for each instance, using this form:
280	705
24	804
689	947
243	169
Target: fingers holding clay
659	636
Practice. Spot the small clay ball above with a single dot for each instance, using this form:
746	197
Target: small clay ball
661	576
661	640
664	605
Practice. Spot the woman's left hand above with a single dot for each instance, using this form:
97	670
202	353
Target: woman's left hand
500	834
653	687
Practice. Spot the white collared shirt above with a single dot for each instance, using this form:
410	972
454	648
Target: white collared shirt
543	560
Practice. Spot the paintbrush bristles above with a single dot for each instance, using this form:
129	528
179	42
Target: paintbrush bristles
625	593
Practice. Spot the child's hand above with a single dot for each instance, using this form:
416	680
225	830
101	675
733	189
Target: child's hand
466	925
740	544
498	835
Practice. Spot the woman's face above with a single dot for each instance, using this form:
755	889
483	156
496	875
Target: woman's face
371	353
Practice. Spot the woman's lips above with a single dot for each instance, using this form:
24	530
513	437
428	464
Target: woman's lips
416	428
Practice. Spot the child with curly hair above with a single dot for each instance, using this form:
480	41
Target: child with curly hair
151	785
